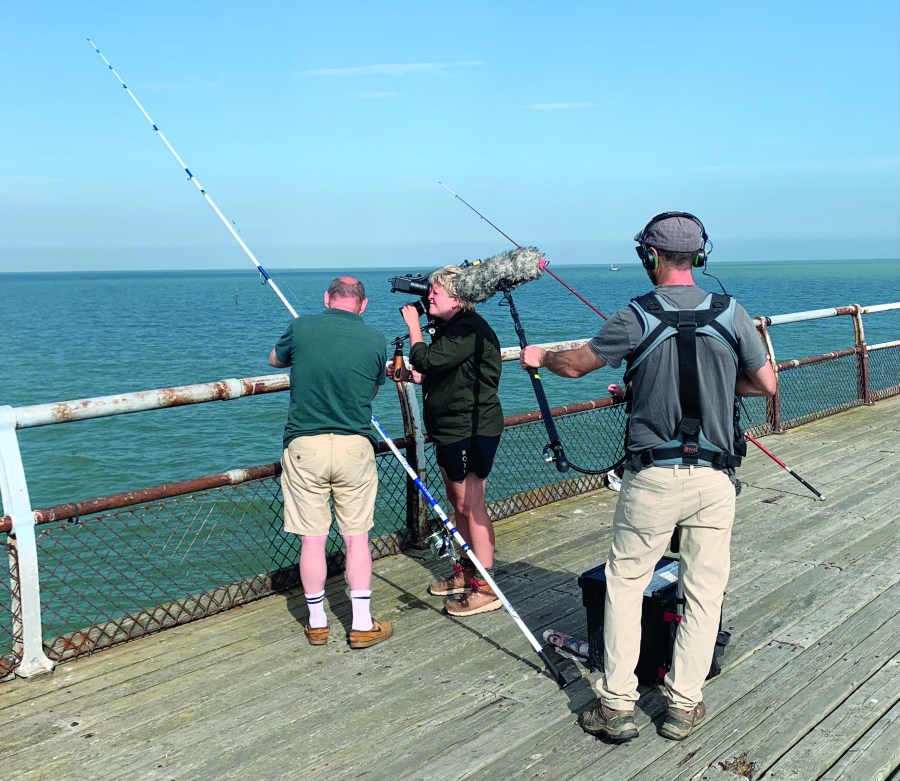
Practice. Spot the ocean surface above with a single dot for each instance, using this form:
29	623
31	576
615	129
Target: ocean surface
77	335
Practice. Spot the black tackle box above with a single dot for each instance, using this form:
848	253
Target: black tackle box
656	616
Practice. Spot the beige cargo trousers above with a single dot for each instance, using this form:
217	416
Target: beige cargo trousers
700	501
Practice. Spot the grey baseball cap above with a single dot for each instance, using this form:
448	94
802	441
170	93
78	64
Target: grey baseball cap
675	234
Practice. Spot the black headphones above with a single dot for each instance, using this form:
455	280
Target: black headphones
647	254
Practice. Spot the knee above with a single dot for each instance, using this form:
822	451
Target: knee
462	510
311	543
356	540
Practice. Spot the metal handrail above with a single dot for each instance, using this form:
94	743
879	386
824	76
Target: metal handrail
20	519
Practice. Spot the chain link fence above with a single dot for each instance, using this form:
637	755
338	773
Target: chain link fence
115	575
10	616
812	391
884	372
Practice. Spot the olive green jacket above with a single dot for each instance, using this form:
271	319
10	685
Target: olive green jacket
461	371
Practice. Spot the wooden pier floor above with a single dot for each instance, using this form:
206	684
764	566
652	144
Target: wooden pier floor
810	689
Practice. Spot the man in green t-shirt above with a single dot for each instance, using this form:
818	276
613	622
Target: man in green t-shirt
337	365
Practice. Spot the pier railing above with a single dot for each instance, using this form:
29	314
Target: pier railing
90	574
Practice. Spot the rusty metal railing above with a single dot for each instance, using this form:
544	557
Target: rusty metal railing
819	385
119	567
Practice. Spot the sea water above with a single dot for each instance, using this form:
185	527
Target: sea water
77	335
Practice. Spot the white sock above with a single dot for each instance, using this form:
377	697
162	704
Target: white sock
316	605
362	618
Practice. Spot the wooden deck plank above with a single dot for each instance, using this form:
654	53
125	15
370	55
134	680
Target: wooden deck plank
242	696
804	711
819	750
774	615
563	749
392	649
864	635
876	756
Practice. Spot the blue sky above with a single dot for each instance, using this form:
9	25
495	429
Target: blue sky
322	130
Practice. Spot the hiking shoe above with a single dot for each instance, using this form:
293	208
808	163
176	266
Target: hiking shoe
455	584
365	638
680	723
616	726
480	598
317	635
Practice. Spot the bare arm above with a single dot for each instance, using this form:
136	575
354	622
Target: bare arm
273	361
760	382
566	363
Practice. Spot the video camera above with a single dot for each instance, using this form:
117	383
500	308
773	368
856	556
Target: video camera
415	284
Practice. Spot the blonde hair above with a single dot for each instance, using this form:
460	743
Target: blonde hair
446	277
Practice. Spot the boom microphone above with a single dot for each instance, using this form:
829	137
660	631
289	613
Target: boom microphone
503	272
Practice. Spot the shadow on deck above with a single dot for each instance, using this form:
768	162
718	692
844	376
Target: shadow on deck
810	688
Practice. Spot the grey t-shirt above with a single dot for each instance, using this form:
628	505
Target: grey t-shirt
656	410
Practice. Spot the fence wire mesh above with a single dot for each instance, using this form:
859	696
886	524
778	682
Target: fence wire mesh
520	479
884	372
10	616
114	576
111	577
815	390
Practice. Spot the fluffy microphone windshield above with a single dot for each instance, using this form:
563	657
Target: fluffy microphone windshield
505	271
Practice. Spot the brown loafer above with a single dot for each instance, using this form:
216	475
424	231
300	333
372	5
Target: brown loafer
365	638
317	635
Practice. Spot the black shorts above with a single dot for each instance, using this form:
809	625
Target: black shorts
472	454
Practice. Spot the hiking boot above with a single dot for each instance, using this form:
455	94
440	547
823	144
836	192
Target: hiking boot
616	726
455	584
365	638
480	598
317	635
680	723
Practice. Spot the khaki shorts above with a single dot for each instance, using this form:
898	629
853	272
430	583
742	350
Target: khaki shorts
336	466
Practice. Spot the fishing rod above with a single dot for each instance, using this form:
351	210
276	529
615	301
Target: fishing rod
555	674
466	548
544	264
776	459
266	279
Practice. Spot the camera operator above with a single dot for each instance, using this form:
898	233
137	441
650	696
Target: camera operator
460	374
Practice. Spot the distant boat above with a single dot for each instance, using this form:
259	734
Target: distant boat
615	268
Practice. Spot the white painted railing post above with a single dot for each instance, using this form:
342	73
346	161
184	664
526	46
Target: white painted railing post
16	504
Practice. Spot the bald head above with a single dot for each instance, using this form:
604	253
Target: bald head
346	293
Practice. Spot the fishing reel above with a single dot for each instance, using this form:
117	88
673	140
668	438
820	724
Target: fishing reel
441	545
